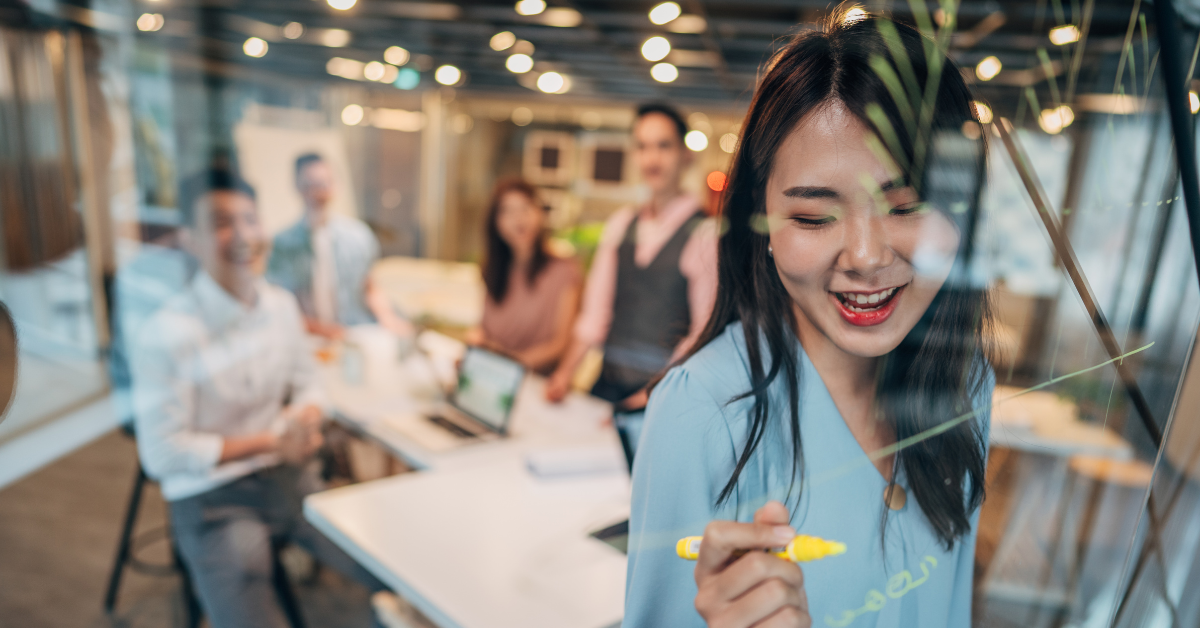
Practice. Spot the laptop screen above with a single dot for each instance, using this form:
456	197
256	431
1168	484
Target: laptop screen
487	387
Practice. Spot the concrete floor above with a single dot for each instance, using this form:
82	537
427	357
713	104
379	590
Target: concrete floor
58	535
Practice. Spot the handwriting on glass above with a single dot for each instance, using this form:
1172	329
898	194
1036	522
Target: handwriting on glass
897	587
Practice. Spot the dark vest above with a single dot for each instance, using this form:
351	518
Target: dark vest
650	315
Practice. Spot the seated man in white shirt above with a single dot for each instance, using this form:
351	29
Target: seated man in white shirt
228	410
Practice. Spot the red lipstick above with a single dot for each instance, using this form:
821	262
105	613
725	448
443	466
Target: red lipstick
866	314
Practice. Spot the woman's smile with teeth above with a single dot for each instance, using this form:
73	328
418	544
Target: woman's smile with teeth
865	300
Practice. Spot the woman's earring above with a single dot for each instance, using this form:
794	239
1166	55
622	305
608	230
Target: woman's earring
770	251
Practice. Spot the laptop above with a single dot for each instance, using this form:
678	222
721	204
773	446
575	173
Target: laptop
478	410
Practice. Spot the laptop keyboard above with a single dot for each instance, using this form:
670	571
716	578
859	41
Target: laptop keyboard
450	426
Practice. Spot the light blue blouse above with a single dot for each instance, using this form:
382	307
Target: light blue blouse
687	450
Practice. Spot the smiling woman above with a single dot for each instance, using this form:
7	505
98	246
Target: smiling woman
844	326
847	233
532	294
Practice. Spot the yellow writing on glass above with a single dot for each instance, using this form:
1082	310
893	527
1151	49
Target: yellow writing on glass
897	587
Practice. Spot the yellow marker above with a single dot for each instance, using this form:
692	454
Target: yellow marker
801	549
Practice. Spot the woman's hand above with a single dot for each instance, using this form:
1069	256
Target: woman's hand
740	587
558	385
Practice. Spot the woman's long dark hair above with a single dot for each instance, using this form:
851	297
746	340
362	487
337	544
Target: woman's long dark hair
917	107
498	265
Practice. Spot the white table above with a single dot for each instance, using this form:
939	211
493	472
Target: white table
392	387
473	539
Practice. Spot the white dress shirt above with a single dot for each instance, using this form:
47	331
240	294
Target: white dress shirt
323	276
207	367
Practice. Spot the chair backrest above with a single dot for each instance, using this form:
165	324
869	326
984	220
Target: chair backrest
8	360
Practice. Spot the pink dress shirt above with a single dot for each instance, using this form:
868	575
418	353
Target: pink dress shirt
698	263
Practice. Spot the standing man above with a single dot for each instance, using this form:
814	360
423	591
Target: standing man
228	410
653	280
325	260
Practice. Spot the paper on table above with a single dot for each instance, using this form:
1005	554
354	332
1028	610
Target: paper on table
574	461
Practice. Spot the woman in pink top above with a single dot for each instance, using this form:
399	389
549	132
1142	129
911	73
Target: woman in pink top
532	295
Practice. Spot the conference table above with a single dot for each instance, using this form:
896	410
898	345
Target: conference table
473	538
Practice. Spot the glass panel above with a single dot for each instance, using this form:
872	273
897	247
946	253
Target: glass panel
122	125
49	277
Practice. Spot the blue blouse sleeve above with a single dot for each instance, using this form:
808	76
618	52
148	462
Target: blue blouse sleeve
683	461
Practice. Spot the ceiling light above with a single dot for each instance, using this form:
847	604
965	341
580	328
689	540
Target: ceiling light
664	13
1063	35
523	47
150	22
342	5
335	37
696	140
562	17
1054	120
716	180
293	30
448	75
728	142
254	47
396	55
502	41
697	120
1194	101
656	48
688	24
983	111
552	83
522	116
854	15
373	71
531	7
519	64
664	72
346	68
988	68
407	78
352	115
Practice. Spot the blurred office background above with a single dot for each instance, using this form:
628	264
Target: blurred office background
1093	513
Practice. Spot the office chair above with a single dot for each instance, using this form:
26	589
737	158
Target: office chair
126	557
